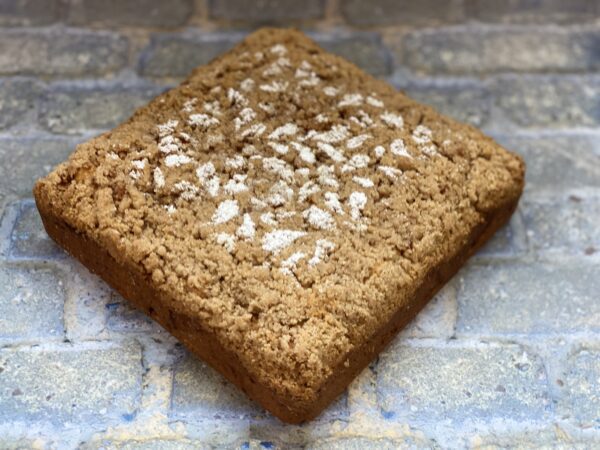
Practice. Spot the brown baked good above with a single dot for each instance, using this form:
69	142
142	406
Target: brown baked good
282	213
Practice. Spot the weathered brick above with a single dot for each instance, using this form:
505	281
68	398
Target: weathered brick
540	11
28	239
557	163
24	160
61	52
266	11
20	444
449	382
507	241
563	225
114	13
70	109
401	12
176	55
146	444
464	101
31	303
437	319
199	390
29	12
366	50
17	99
123	317
59	383
528	298
550	101
582	387
467	51
364	443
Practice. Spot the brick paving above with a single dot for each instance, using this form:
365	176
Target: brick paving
507	355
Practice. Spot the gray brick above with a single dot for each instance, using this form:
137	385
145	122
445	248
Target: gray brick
123	317
29	12
115	13
437	319
28	239
31	303
366	50
484	382
20	444
22	161
582	388
482	50
199	390
539	11
364	443
563	225
176	55
71	109
17	99
508	241
146	444
401	12
464	101
61	383
528	298
557	163
550	101
60	52
266	11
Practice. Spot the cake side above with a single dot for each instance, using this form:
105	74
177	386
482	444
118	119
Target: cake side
399	214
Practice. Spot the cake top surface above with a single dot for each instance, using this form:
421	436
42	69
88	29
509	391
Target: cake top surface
286	198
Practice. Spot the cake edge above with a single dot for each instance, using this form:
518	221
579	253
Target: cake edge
136	288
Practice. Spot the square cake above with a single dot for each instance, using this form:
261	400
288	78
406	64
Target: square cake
282	213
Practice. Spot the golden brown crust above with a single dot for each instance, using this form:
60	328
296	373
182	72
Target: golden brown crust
290	247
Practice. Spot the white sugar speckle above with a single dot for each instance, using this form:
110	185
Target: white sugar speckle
112	155
357	202
236	185
332	201
170	209
282	149
360	161
176	160
247	115
236	97
322	248
208	179
330	91
398	148
338	133
279	49
391	172
159	178
135	174
364	182
350	100
213	107
202	120
357	141
303	171
280	193
187	190
305	153
278	166
167	127
254	130
307	189
227	210
267	107
322	118
290	263
268	218
247	85
188	106
139	164
277	240
226	240
275	86
331	151
392	120
327	176
379	151
237	162
319	218
289	129
247	229
168	144
374	102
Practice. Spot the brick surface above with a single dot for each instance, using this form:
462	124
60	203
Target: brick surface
557	163
463	50
582	387
437	319
23	160
66	383
459	384
266	11
199	390
563	225
177	55
508	241
363	443
528	298
464	101
403	12
28	239
17	99
123	317
553	102
67	109
29	12
61	52
31	303
114	13
147	444
540	11
366	50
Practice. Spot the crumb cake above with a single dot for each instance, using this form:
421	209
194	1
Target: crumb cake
282	213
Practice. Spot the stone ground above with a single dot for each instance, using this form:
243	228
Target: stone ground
507	355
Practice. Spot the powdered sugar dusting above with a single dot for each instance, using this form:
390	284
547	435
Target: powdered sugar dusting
277	240
226	211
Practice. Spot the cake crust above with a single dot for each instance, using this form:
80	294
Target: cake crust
282	213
